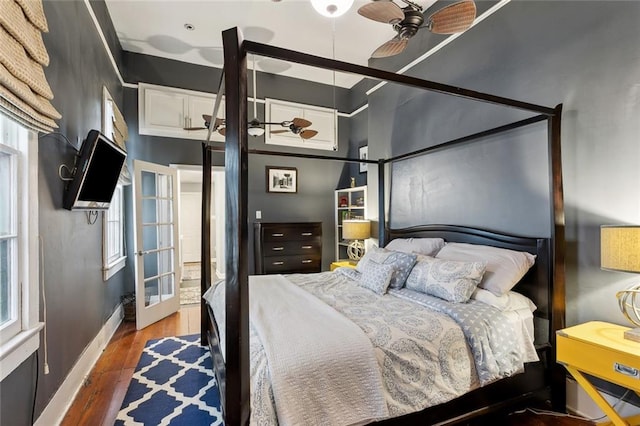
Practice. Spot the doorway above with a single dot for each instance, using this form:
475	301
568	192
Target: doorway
189	229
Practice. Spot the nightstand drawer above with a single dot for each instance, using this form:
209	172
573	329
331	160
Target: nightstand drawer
599	359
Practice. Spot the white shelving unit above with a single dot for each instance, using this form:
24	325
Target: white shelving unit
350	203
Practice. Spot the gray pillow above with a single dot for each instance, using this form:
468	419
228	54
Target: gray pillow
447	279
376	277
424	246
401	262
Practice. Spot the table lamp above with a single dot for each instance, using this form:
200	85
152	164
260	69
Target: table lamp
620	251
356	230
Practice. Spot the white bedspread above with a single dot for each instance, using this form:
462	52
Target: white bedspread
319	379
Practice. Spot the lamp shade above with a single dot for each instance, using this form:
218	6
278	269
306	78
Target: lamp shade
331	8
356	229
620	248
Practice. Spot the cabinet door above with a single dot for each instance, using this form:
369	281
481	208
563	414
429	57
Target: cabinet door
323	120
164	111
199	105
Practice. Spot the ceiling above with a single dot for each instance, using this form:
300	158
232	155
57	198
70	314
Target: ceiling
157	27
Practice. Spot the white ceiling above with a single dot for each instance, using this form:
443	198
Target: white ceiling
157	27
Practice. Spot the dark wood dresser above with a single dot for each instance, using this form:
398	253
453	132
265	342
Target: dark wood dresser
285	248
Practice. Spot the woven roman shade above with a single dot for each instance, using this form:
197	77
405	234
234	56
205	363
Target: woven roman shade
25	94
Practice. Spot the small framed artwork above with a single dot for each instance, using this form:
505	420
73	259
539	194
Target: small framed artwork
363	154
282	179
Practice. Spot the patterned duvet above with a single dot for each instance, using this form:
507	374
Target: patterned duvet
424	356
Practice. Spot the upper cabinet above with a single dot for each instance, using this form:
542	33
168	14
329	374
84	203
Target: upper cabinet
323	120
167	111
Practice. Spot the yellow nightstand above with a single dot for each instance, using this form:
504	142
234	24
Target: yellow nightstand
344	263
599	349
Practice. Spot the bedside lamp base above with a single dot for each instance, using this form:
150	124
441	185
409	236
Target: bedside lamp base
633	334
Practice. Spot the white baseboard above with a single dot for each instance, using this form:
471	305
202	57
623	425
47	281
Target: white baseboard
580	403
57	407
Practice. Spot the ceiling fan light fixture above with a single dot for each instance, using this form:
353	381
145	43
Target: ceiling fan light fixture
331	8
255	131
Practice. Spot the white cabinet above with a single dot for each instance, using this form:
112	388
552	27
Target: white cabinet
324	121
350	203
167	111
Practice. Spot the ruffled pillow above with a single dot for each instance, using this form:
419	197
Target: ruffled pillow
376	277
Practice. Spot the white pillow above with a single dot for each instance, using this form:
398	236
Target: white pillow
447	279
504	267
510	301
424	246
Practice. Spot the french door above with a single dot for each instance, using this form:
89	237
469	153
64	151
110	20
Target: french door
156	239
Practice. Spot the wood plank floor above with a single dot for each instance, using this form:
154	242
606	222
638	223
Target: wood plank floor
99	400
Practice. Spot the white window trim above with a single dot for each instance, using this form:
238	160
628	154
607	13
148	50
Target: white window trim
18	348
109	269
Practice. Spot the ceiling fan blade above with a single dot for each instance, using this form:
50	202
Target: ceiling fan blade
386	12
454	18
222	130
280	131
390	48
308	134
301	122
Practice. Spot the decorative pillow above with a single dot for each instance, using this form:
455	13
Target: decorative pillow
510	301
401	262
447	279
504	267
376	277
424	246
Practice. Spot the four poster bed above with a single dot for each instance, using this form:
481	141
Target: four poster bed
415	357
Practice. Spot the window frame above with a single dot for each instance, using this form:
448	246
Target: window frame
16	348
115	214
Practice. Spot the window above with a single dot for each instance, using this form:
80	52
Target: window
113	255
19	289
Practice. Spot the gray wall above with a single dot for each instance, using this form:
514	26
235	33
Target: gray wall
316	179
585	55
78	300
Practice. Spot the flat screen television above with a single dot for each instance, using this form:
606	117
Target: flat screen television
96	174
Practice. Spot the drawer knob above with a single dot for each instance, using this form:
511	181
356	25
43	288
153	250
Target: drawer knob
278	263
277	248
626	370
307	261
277	235
307	247
307	234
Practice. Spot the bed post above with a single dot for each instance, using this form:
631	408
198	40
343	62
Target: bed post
557	322
236	404
205	247
382	225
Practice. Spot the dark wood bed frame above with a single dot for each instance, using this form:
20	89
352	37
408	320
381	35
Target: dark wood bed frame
544	284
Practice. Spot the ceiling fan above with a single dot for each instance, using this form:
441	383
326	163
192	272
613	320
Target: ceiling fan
455	18
297	126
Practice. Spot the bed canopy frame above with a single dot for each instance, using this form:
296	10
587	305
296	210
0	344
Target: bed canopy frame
234	374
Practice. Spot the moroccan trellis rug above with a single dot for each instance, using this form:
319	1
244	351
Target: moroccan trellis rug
173	384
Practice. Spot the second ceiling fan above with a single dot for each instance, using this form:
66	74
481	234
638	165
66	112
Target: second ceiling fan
406	21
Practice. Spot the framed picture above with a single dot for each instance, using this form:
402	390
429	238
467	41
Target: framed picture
363	154
282	179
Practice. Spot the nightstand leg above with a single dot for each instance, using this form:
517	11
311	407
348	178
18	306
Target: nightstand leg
596	397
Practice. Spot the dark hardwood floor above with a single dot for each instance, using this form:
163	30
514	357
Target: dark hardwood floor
99	400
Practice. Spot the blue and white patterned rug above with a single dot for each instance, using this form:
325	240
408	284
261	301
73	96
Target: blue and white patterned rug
173	384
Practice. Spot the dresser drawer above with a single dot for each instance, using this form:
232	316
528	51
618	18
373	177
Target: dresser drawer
291	264
291	233
599	361
279	248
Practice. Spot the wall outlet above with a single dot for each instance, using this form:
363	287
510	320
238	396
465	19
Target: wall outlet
258	214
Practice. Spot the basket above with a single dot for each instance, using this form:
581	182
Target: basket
129	306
